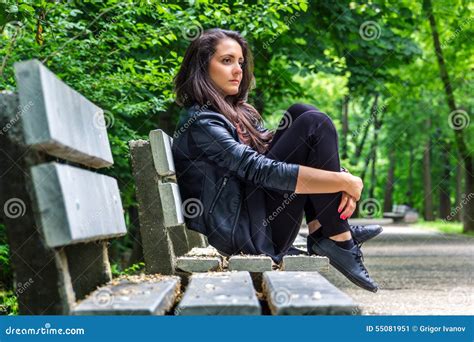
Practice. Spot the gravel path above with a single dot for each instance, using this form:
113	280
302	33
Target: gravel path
420	272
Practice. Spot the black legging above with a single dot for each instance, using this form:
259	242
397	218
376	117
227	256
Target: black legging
306	136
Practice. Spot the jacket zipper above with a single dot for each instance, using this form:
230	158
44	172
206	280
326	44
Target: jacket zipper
221	187
232	238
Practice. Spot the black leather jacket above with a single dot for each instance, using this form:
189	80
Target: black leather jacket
212	167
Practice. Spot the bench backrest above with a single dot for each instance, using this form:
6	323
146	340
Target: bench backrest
58	244
162	224
400	209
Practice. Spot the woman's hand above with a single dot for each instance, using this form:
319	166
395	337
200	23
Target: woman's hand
347	206
353	185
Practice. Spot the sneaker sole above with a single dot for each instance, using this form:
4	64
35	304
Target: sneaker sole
342	270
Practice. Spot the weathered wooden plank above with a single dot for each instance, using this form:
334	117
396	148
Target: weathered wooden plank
132	295
58	120
250	263
224	293
304	293
157	246
89	266
200	260
313	263
179	240
198	264
196	239
76	205
160	143
171	203
42	283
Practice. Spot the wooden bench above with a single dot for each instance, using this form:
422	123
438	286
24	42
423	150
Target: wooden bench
401	213
61	213
58	213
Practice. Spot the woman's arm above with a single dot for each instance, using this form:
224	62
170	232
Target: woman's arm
317	181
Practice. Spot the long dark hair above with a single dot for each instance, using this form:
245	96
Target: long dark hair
194	85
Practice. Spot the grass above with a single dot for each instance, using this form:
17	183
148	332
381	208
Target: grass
443	227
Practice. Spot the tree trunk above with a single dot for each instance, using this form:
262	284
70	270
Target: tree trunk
373	176
388	197
360	147
459	178
428	193
444	186
468	219
409	192
345	126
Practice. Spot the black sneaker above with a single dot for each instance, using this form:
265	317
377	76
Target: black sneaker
346	261
295	251
360	234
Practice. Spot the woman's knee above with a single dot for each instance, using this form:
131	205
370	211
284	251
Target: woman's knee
319	118
297	109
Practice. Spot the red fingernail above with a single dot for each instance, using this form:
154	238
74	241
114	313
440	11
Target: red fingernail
342	217
339	210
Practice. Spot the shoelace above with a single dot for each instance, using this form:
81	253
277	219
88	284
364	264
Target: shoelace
360	258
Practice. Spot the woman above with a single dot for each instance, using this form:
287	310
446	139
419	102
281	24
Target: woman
247	188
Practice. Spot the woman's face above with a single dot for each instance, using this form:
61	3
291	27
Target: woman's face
225	67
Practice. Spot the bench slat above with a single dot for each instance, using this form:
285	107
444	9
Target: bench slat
311	263
131	297
250	263
305	293
171	202
200	260
220	293
76	205
58	120
162	156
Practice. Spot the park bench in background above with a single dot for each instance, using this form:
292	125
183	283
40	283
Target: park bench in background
402	213
60	215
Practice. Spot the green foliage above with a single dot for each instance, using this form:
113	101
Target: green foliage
132	270
8	303
5	269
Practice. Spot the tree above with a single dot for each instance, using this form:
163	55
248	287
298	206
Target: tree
454	110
